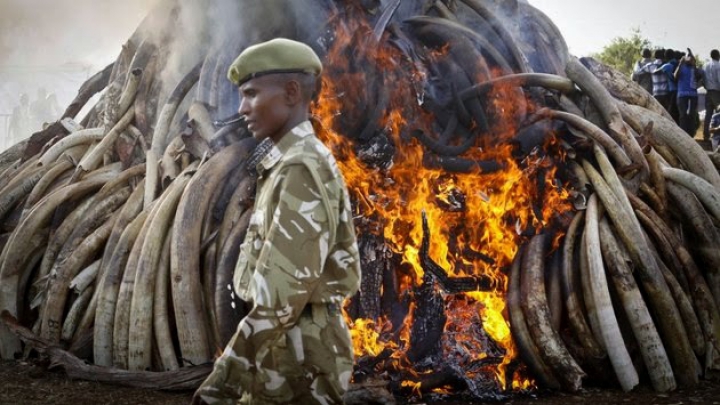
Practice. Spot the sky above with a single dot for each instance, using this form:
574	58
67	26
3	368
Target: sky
588	26
93	30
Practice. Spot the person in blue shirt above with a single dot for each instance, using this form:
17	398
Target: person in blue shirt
687	76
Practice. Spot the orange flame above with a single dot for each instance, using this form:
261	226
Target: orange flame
497	206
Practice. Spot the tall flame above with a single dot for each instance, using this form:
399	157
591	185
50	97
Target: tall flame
476	219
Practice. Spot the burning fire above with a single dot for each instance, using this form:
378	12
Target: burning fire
476	219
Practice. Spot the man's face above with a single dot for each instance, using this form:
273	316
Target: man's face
265	107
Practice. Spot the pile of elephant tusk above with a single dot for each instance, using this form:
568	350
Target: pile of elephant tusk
119	233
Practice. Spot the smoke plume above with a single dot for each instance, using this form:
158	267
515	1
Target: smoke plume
45	32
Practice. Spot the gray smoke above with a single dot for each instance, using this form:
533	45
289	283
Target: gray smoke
47	32
55	45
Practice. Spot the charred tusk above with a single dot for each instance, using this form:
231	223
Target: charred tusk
185	250
594	132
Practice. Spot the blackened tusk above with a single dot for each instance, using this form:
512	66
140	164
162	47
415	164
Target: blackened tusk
461	165
441	149
473	254
463	113
384	20
478	114
372	127
449	130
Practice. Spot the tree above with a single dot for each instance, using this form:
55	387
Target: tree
622	53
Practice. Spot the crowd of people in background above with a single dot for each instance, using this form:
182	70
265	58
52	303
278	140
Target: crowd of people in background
673	78
28	117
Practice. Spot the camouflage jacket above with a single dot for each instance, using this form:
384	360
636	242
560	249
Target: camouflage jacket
302	226
299	249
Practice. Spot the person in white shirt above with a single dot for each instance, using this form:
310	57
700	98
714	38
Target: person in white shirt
712	85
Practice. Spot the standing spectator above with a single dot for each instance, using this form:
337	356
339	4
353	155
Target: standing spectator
714	128
712	85
659	78
53	107
668	68
641	75
20	119
687	75
40	110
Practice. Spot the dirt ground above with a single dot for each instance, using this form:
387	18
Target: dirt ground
23	383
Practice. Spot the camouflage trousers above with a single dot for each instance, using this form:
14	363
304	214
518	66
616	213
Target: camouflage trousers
313	362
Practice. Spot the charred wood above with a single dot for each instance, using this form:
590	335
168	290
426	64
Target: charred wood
447	283
369	393
372	248
378	151
443	378
365	367
428	321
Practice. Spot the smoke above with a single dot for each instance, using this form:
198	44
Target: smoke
221	29
228	26
55	45
51	33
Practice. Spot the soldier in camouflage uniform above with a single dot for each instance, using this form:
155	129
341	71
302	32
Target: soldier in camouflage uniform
299	260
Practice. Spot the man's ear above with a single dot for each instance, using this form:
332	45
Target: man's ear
293	93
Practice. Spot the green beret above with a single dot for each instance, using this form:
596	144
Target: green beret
279	55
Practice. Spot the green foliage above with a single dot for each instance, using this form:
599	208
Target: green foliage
623	53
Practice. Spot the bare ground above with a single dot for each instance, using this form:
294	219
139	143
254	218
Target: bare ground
27	383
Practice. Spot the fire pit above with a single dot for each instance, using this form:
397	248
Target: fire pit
524	217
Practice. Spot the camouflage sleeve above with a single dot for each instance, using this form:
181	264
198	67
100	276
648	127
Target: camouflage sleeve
288	269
